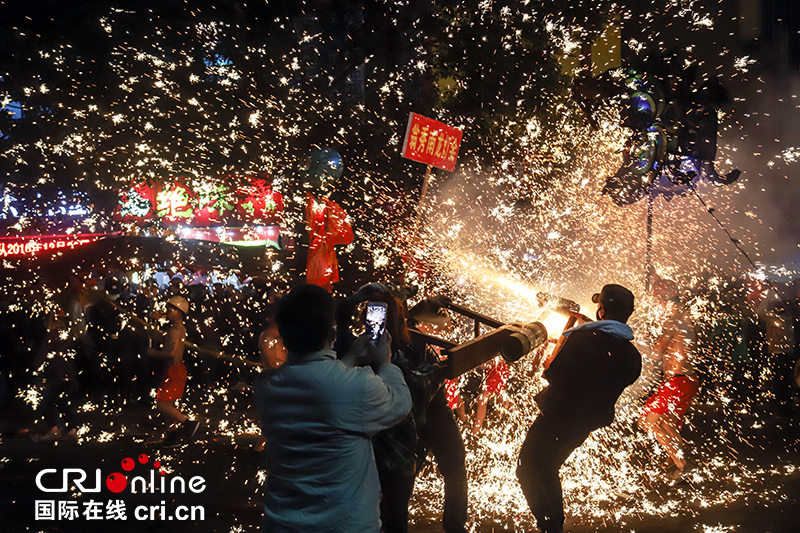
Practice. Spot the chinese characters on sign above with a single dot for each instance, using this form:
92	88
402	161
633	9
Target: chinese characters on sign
431	142
254	202
31	246
173	203
70	510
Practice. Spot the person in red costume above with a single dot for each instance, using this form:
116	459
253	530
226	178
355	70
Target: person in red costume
327	227
494	386
664	412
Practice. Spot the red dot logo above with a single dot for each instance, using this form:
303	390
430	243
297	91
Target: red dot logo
128	464
116	482
156	464
143	459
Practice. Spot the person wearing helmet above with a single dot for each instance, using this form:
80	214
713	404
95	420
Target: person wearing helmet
174	378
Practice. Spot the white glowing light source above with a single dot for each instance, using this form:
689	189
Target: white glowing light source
554	324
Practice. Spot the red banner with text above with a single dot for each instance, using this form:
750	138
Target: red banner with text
30	246
180	202
431	142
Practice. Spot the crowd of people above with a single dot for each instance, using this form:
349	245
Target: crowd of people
754	339
111	342
337	396
347	424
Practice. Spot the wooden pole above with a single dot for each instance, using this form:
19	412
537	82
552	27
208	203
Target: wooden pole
204	352
422	194
428	172
648	258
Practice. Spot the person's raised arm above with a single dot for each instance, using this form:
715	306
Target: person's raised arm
387	399
358	354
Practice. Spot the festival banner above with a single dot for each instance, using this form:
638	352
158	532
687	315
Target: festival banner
431	142
30	246
182	203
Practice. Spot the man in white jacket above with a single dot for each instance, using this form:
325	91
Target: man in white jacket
317	415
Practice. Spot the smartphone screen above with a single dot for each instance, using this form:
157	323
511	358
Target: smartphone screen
376	320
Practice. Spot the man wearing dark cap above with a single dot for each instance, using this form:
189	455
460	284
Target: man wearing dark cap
595	364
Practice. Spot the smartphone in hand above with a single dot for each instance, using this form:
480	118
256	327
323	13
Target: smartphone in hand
376	321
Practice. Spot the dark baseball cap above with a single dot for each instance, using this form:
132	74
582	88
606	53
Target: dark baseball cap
616	300
112	286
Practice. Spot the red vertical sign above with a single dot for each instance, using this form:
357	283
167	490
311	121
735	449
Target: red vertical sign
431	142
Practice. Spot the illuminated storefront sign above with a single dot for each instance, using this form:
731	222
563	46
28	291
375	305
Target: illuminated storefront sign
202	204
22	202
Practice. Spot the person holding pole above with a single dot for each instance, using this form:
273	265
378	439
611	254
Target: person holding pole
596	363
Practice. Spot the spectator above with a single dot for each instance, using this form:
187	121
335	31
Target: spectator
432	425
142	306
272	354
318	415
729	347
55	361
73	300
437	429
107	353
270	345
144	303
176	287
775	314
396	448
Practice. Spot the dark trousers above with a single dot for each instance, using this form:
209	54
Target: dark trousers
396	492
549	443
439	433
743	385
87	362
57	402
782	383
142	377
119	354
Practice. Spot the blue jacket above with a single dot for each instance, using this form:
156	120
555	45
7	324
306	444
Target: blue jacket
317	416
